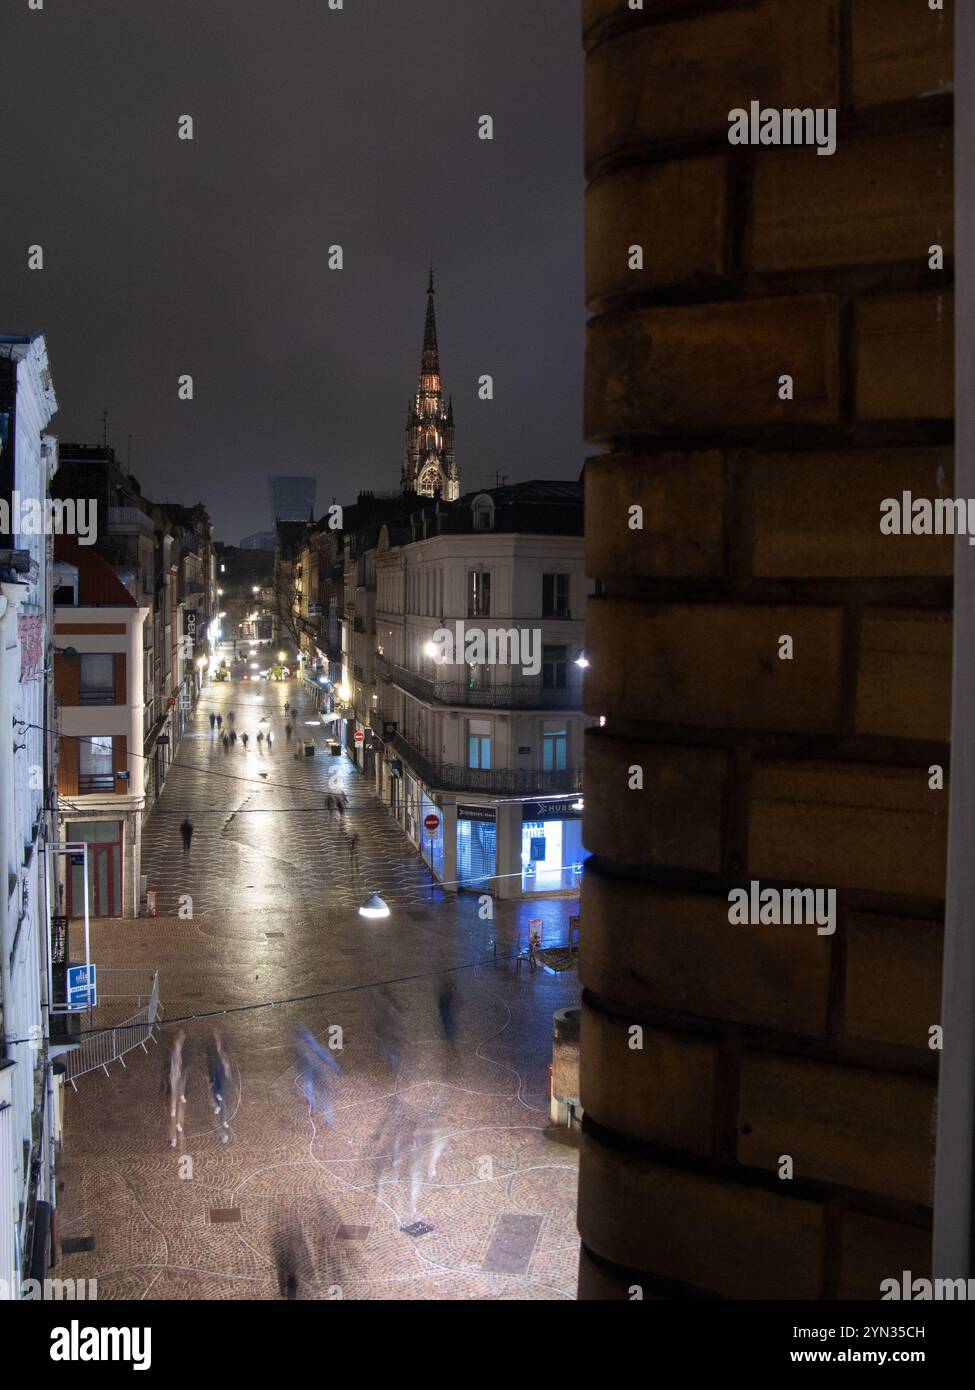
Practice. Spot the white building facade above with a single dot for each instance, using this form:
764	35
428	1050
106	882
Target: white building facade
490	749
28	1105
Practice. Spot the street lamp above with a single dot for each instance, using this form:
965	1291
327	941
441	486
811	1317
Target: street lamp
374	907
582	661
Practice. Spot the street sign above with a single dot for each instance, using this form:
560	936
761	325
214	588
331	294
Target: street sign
431	823
81	987
184	702
359	736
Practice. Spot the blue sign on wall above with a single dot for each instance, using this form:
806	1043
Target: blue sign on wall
81	987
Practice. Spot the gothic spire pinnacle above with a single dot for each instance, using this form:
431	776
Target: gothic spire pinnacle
431	354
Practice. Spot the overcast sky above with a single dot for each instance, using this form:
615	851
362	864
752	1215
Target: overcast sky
311	127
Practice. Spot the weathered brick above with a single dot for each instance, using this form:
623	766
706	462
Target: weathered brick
675	211
893	978
743	1242
818	515
871	201
901	49
681	497
649	948
905	357
662	1093
674	80
848	825
712	365
715	665
676	818
875	1249
865	1129
904	682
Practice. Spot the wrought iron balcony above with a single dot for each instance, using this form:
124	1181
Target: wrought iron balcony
501	781
516	695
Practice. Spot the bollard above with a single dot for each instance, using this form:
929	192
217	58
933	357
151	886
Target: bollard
151	901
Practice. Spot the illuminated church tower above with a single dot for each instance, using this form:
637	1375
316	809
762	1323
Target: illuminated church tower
428	459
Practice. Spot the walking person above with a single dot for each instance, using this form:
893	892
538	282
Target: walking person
220	721
445	1007
244	739
260	738
233	735
314	1064
288	731
269	740
353	851
287	708
226	743
186	832
231	718
219	1069
175	1078
213	720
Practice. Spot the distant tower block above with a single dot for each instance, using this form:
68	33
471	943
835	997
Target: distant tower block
429	467
293	499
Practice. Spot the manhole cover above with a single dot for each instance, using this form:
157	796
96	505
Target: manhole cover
352	1232
224	1214
416	1228
77	1245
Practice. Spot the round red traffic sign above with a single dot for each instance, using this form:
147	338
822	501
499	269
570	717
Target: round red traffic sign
359	736
431	823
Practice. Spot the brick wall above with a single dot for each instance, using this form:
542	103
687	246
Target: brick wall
761	518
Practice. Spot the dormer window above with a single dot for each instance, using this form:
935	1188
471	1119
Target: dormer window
483	510
65	585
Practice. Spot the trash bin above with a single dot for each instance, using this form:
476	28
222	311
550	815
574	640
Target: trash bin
309	748
151	901
335	749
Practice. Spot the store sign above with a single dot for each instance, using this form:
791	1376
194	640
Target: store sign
481	813
189	622
566	809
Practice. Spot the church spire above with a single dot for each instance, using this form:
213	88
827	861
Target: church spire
428	460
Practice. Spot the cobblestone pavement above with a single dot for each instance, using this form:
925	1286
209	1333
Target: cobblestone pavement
449	1133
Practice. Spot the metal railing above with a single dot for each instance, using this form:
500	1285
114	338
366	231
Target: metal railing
520	695
110	1045
504	781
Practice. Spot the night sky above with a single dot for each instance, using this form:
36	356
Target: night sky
312	127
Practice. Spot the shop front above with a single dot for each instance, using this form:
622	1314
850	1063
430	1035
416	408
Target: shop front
477	846
551	846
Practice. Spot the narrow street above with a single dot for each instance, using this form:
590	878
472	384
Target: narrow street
451	1134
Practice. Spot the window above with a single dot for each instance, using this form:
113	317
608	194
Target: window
95	764
555	595
96	678
554	668
555	746
478	677
478	594
479	743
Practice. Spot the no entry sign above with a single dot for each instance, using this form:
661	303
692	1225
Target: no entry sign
359	736
431	823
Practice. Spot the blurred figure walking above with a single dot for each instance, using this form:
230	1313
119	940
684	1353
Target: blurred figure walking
288	731
219	721
292	1260
445	1007
175	1081
219	1068
314	1064
213	720
186	833
244	741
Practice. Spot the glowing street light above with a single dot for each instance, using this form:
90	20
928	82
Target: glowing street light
582	661
374	907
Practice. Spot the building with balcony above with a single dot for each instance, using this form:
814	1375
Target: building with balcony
488	742
98	682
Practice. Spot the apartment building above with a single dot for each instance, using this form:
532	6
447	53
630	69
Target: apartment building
486	738
98	682
28	1111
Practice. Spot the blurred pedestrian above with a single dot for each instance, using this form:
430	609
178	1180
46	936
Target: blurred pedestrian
445	1007
292	1260
175	1079
314	1064
260	737
329	804
231	718
219	1072
233	735
287	708
219	721
423	1167
213	720
389	1029
353	850
244	741
186	833
226	743
288	731
269	740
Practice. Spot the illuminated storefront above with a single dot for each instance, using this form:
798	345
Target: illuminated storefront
477	845
551	846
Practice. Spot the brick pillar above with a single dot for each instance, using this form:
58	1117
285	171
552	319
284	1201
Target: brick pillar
761	519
